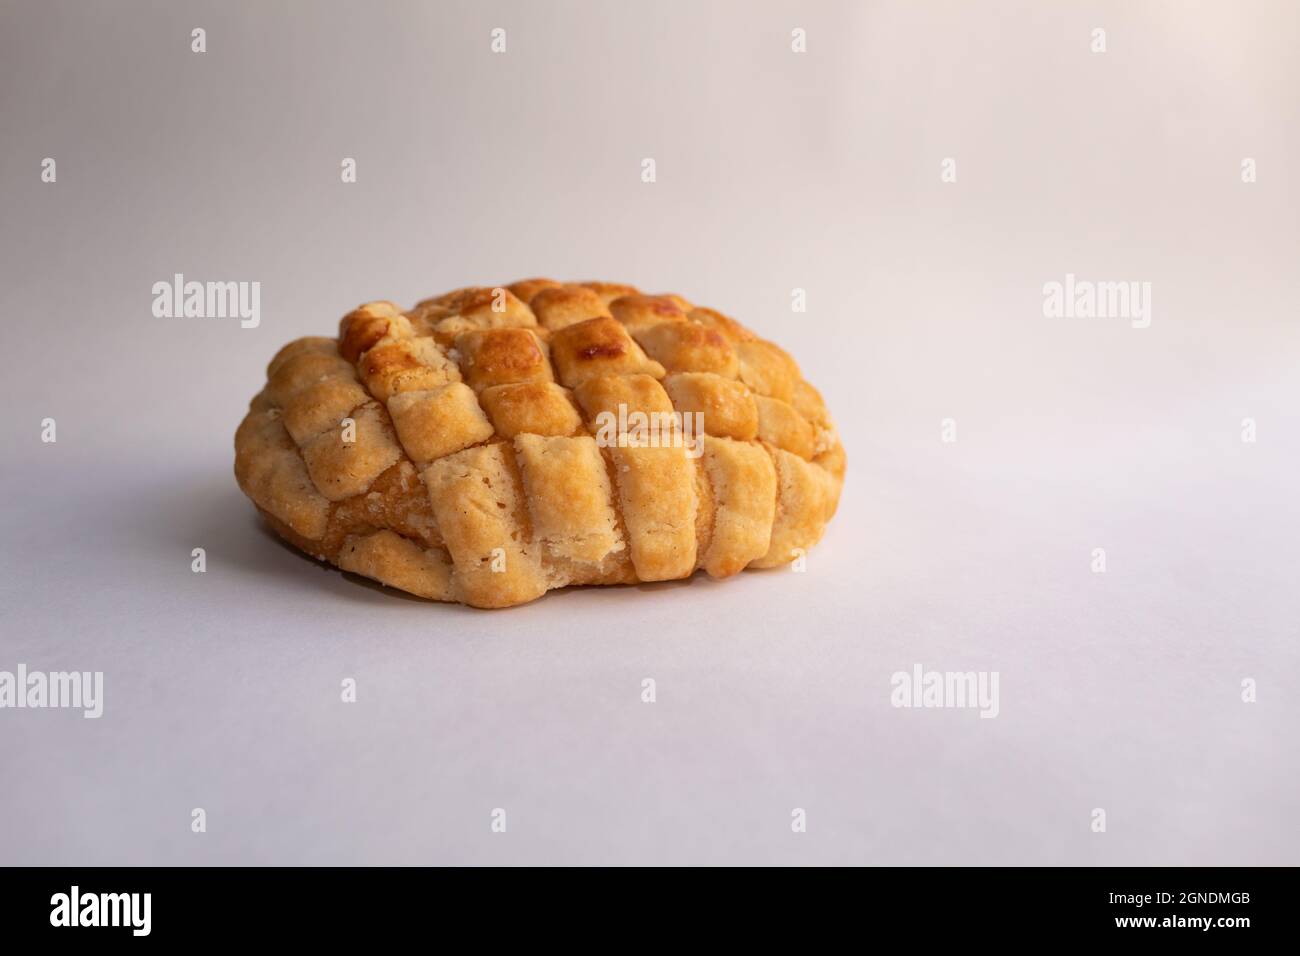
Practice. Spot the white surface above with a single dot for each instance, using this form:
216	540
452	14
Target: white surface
1119	691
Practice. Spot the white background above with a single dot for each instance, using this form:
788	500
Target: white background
776	170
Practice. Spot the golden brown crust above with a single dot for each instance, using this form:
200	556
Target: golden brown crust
563	305
728	407
490	357
489	444
596	348
609	291
641	312
525	289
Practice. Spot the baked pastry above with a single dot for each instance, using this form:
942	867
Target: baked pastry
493	443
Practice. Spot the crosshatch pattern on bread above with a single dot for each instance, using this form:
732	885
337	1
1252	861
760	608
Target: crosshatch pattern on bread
477	447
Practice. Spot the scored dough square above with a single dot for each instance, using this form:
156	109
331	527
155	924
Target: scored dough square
501	357
687	347
438	421
635	393
526	289
398	562
767	369
779	424
406	365
341	469
496	308
366	326
726	404
743	480
309	344
569	498
322	406
609	291
808	402
801	509
640	312
561	306
273	472
476	503
598	347
479	308
656	488
303	369
539	408
724	325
